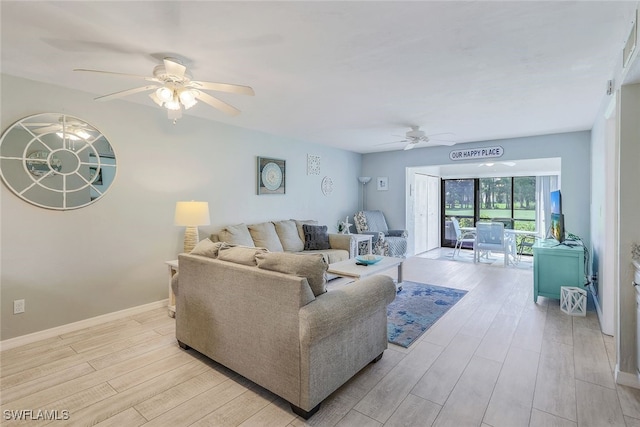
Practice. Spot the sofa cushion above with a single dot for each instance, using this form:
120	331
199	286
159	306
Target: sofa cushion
331	256
207	248
288	234
264	235
312	267
240	254
300	223
315	237
237	235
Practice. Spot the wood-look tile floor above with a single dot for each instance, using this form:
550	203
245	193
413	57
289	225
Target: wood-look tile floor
495	359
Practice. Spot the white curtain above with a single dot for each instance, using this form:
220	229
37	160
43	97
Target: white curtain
544	186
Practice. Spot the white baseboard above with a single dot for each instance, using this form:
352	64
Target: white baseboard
70	327
598	309
628	379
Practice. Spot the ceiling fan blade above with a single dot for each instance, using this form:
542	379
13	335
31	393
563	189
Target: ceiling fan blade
223	87
125	92
47	129
441	142
135	76
216	103
438	134
392	142
410	146
174	68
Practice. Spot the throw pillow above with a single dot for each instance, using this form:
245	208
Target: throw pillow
316	237
300	223
236	235
313	267
264	235
240	254
288	234
207	248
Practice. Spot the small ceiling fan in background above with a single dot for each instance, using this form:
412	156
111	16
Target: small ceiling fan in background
416	136
173	88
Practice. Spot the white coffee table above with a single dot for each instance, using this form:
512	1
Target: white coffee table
349	268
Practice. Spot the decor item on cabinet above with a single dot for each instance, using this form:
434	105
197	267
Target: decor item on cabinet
313	164
191	215
363	180
271	176
327	185
343	226
174	89
383	183
53	160
385	241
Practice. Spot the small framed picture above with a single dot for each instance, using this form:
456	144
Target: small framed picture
271	176
383	183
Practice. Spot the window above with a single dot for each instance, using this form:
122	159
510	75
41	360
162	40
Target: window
510	200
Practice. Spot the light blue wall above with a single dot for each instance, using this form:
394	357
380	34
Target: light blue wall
109	256
572	148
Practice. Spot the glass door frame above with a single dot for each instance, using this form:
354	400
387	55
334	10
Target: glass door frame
476	206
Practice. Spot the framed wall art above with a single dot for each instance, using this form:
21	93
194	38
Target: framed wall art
271	175
313	164
383	183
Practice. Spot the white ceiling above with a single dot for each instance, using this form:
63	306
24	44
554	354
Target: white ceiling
347	74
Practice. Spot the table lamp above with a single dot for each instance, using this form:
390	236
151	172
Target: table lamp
191	215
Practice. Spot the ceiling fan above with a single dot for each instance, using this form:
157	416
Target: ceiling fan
416	136
173	88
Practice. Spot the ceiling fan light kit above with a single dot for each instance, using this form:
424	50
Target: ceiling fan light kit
174	90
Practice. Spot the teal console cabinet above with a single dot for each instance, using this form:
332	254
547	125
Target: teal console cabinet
554	266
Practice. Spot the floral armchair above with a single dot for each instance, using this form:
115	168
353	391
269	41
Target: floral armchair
385	241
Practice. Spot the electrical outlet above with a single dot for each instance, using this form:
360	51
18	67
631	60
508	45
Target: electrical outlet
18	306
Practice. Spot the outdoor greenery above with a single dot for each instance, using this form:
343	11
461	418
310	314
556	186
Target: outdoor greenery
510	199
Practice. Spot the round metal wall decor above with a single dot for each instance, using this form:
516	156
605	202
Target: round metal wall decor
56	161
327	185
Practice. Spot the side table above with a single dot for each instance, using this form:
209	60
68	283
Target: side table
361	238
173	269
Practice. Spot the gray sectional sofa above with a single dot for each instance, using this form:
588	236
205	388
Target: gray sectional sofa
268	317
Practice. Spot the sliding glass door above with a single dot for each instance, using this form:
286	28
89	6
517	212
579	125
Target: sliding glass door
510	200
495	200
458	199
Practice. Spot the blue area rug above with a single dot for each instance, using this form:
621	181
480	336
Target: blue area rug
416	307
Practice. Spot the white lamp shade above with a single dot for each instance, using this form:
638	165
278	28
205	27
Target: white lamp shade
192	213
